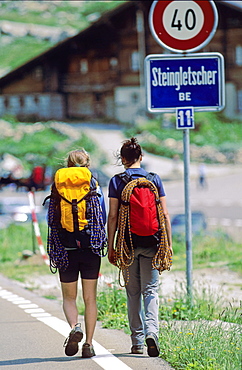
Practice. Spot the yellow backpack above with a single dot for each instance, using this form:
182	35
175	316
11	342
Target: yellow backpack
74	184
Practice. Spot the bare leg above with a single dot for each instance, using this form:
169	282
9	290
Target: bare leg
69	293
89	289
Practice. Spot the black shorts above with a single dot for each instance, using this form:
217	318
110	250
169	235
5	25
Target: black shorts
82	261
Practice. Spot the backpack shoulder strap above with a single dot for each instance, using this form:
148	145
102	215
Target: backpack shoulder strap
150	176
127	178
53	195
93	186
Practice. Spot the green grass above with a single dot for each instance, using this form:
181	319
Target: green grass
206	305
13	241
20	270
41	144
16	238
201	346
32	48
61	14
58	14
112	308
209	250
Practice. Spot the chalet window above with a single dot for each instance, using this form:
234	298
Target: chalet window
21	101
113	63
240	101
6	103
83	66
238	55
135	61
134	98
38	74
98	96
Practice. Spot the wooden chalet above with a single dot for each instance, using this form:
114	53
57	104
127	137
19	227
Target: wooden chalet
99	72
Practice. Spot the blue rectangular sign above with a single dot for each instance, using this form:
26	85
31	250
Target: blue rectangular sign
194	80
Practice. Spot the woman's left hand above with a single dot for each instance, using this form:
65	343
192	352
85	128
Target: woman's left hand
112	256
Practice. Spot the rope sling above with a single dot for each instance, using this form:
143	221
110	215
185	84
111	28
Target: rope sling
162	260
57	253
98	240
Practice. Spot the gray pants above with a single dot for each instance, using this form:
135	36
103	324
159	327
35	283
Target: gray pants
143	282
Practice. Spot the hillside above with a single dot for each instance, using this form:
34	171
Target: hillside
28	28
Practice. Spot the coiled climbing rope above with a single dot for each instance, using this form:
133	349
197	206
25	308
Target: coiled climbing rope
162	260
98	239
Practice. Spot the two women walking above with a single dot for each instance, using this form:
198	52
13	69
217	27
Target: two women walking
148	255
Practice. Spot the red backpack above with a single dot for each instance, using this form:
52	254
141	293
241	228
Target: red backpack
141	223
140	195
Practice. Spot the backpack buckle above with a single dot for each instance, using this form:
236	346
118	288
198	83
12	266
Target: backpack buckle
74	206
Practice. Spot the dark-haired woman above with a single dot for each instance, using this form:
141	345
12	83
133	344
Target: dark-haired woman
143	278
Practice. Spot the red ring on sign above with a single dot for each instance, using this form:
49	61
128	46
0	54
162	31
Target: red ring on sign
171	42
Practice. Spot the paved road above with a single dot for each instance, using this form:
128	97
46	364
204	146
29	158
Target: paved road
33	330
220	201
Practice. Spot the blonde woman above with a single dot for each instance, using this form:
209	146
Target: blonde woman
81	259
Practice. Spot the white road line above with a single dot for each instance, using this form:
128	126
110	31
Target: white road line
30	305
4	293
238	223
21	301
205	202
226	222
212	221
106	360
39	314
34	310
103	358
13	297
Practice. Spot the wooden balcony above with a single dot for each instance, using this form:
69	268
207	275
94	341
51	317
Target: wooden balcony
92	81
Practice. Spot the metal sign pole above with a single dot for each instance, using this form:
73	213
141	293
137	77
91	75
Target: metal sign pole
188	219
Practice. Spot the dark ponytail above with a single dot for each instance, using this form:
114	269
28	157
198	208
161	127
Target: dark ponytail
130	151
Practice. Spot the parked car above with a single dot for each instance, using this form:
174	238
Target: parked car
199	223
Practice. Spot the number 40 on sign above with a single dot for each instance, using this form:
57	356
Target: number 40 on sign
185	118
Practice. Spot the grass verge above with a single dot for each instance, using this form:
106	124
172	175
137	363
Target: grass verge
202	345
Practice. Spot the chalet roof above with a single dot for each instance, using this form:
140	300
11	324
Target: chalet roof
61	45
237	5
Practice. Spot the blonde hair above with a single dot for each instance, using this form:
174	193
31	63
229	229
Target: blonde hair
78	158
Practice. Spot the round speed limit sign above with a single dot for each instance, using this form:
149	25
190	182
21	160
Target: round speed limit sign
183	26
